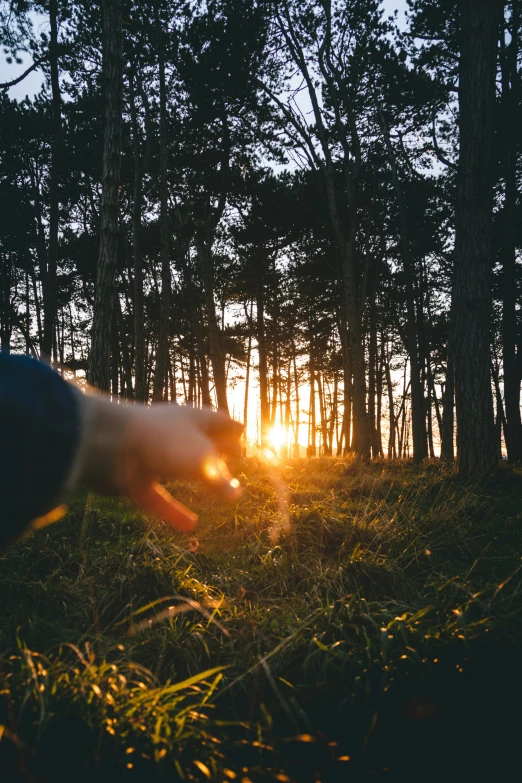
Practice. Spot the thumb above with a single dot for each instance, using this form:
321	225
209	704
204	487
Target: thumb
155	499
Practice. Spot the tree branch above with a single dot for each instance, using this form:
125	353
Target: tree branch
33	67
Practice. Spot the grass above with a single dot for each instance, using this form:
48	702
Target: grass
379	638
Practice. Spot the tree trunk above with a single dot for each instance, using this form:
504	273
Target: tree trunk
312	448
99	359
263	362
418	406
477	453
392	452
447	452
297	402
247	379
6	269
158	392
50	278
141	390
322	413
217	355
500	419
510	104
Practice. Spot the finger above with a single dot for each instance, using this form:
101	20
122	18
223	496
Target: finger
155	499
217	424
217	476
228	446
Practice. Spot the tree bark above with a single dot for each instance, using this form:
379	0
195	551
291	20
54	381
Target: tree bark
49	281
99	359
141	391
158	392
477	453
261	347
418	403
217	354
510	106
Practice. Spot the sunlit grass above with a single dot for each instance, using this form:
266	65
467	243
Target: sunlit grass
130	651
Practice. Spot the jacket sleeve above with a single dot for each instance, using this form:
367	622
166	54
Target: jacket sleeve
39	437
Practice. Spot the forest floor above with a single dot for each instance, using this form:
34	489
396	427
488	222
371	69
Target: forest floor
379	638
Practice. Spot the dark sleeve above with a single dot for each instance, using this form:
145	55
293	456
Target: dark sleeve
39	435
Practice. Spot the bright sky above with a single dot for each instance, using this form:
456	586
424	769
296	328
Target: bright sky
32	83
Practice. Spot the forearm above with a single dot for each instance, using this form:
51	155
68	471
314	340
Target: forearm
40	433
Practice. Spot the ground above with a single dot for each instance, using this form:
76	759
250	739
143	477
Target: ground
378	638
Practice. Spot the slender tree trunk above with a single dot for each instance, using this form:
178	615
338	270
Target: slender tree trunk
322	413
99	359
418	406
500	419
6	269
115	352
312	448
263	363
378	430
297	401
347	387
247	379
510	105
392	453
166	278
334	413
477	453
139	324
448	402
50	278
217	355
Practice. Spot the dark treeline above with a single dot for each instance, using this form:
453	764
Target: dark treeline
303	193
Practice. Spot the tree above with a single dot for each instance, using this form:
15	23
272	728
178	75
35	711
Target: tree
99	358
479	26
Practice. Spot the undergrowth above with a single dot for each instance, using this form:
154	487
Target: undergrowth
379	637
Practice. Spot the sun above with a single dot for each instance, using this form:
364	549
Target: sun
277	437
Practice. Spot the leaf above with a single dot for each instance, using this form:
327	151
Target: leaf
203	768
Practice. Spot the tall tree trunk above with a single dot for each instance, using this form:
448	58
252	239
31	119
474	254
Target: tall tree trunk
6	269
297	401
392	452
334	415
275	346
322	413
99	359
141	390
500	419
158	391
247	379
50	277
479	23
217	354
447	452
378	430
263	362
510	106
115	351
418	405
312	448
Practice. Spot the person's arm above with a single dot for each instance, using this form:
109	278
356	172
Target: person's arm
53	438
40	426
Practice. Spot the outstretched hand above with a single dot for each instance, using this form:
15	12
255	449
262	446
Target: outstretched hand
128	448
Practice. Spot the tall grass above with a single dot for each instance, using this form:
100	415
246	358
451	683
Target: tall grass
128	652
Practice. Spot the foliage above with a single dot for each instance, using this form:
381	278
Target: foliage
385	618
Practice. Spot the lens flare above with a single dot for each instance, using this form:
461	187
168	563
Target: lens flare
278	437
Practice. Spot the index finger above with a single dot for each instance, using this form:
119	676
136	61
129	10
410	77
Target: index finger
218	425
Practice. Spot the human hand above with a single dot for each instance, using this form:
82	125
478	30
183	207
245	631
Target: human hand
127	448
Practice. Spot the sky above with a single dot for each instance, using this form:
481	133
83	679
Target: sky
32	83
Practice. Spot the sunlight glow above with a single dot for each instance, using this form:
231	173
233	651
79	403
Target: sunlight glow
278	437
